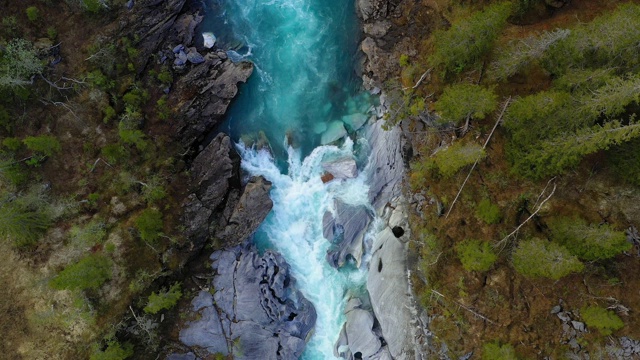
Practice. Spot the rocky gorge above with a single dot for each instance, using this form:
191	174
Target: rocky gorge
254	297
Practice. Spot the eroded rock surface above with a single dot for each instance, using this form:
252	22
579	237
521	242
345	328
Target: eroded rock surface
346	230
255	313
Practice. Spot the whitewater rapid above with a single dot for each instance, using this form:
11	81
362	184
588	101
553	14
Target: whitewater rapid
304	52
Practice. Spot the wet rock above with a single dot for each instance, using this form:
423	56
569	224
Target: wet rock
355	121
251	210
353	220
335	131
345	168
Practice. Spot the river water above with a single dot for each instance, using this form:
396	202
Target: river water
303	86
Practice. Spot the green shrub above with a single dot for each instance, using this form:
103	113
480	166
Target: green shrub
133	137
165	76
149	224
88	273
98	79
109	114
12	144
22	223
45	145
114	351
606	321
476	255
114	153
32	13
449	161
488	212
163	300
92	6
154	190
52	33
404	60
163	108
465	101
495	351
92	233
541	258
588	242
469	39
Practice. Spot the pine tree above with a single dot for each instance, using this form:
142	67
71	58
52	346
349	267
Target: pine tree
541	258
465	101
552	157
469	39
588	242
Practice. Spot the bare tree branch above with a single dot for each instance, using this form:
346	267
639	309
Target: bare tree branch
504	108
502	242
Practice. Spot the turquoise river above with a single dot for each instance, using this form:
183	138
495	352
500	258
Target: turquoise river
302	94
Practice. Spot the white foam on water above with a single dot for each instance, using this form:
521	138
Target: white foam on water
294	228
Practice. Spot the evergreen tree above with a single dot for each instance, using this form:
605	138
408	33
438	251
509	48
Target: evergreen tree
469	39
465	101
541	258
449	161
519	54
552	157
588	242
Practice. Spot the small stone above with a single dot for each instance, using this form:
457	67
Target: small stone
178	49
564	316
556	309
195	58
578	326
209	40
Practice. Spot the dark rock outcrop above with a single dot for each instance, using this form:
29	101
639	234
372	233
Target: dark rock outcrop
255	313
207	90
213	174
252	208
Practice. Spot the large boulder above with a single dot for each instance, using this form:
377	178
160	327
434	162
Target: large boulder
389	288
263	315
345	168
251	209
386	163
346	230
373	9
